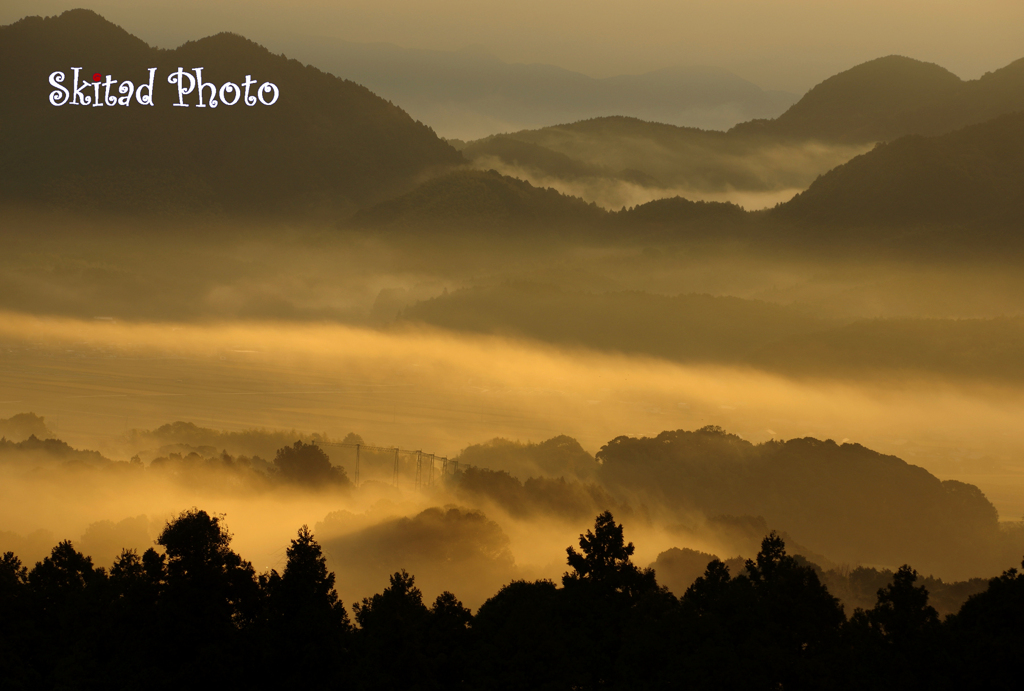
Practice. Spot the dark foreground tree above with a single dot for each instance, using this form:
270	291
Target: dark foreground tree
66	597
522	639
393	625
896	640
210	594
986	636
601	596
196	617
16	623
775	625
448	642
304	622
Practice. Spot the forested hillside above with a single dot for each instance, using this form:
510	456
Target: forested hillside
326	146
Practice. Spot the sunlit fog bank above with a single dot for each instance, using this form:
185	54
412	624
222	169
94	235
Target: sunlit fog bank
419	388
429	388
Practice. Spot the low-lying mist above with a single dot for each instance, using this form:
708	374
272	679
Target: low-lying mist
257	335
614	193
95	381
218	269
622	162
426	388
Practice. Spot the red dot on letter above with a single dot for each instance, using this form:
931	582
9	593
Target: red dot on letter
96	77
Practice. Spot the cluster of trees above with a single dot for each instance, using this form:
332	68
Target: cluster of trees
187	436
302	464
844	500
197	613
537	496
554	457
53	450
856	587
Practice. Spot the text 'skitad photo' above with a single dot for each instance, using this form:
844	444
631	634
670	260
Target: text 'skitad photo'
476	345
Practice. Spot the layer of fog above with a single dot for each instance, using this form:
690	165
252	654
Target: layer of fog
614	194
239	327
634	163
216	270
436	391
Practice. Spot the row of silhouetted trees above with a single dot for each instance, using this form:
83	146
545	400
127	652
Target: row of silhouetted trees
197	615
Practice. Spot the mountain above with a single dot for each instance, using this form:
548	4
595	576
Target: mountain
972	178
880	100
480	201
470	93
326	146
848	502
677	160
677	217
894	96
948	193
858	103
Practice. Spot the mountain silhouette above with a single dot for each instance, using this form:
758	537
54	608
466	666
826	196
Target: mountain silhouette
887	98
480	200
877	101
974	175
326	146
859	103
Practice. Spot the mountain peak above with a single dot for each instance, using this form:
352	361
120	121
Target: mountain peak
335	145
851	104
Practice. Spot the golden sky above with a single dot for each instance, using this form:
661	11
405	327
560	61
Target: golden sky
779	44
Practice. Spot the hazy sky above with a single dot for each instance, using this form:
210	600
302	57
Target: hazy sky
782	44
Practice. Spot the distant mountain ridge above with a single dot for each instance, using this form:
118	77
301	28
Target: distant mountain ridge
948	193
327	147
877	101
470	93
479	201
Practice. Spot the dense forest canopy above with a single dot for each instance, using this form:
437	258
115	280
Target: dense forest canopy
609	625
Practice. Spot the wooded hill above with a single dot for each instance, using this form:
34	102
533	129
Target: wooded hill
325	147
952	193
971	176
